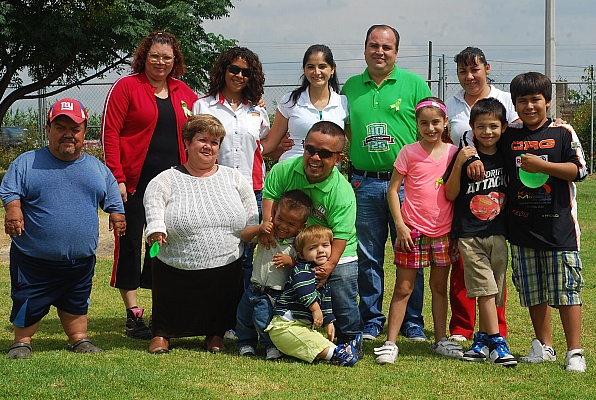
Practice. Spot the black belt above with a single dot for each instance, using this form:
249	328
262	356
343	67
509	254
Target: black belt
261	290
382	175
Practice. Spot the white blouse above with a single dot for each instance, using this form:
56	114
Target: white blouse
302	116
201	217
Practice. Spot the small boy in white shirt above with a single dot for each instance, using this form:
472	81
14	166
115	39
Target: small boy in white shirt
271	268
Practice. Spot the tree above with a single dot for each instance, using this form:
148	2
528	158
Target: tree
582	95
71	42
581	121
582	125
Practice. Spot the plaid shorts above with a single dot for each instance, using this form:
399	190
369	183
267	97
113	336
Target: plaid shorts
438	251
544	276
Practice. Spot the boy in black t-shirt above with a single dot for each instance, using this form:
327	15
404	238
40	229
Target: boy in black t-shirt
479	227
543	161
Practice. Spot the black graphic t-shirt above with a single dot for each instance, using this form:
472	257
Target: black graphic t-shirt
478	210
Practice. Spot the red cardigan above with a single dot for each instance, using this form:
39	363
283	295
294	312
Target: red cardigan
128	123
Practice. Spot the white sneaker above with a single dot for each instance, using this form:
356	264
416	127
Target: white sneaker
446	347
539	353
458	338
247	351
271	353
387	353
575	360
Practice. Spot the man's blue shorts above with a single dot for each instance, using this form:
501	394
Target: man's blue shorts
37	284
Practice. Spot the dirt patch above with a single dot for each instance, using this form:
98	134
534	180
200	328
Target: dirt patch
105	246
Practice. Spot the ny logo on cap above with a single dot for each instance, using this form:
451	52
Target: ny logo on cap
67	105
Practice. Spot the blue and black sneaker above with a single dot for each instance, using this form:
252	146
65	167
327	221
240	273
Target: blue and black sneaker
358	345
499	352
479	350
345	354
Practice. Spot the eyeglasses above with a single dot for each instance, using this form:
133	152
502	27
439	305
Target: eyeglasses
322	152
155	58
235	70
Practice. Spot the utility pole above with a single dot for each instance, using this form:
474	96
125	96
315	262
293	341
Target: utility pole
550	68
430	63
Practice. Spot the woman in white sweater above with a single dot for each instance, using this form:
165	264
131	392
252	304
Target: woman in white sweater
195	212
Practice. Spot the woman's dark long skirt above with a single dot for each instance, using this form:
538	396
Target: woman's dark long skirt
195	302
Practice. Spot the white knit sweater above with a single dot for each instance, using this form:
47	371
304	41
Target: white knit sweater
202	217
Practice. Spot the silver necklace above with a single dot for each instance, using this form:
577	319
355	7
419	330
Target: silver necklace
232	101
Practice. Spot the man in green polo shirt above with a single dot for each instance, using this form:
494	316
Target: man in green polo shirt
334	206
381	122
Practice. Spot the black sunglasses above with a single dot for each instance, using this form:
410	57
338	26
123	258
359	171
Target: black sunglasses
322	152
235	70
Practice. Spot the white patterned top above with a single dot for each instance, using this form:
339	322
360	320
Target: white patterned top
202	217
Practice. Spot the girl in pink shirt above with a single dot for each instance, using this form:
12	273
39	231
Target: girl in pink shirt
423	223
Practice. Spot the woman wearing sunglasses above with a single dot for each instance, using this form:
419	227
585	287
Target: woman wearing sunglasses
235	89
316	99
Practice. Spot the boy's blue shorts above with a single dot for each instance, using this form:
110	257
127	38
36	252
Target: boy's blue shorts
37	284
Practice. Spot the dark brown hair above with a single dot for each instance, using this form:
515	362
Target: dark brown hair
372	28
445	136
489	106
531	83
297	200
217	80
161	37
328	128
333	80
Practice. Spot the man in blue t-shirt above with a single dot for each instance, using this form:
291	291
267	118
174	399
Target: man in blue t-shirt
51	196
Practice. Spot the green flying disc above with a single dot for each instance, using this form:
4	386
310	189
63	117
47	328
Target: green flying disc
532	179
154	249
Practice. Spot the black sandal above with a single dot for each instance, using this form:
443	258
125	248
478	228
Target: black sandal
83	346
19	350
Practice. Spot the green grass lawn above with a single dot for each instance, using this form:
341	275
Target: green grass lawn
126	370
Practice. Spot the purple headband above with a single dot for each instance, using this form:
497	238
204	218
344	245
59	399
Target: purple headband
430	103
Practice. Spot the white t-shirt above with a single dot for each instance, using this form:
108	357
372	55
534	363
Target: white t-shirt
245	128
458	111
302	116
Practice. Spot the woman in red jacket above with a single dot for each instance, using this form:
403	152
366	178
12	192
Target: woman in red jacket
141	135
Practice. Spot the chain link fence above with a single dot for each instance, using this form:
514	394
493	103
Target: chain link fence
570	97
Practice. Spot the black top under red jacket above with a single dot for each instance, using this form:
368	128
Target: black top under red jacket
546	217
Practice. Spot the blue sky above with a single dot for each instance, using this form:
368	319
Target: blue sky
510	32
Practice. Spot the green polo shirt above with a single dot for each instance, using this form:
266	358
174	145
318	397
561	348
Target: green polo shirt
382	118
334	203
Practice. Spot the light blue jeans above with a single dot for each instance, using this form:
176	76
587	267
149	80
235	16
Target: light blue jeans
373	224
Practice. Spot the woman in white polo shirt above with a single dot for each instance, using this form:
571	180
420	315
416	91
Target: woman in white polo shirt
235	90
316	99
472	73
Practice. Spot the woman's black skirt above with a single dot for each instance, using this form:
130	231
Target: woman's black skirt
195	302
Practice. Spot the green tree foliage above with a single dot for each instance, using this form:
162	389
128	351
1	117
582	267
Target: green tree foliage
581	125
581	118
73	41
583	94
